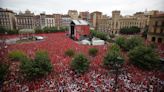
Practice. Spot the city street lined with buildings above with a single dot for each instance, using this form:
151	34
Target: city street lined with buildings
98	21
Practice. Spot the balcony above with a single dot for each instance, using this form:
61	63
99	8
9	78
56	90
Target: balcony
158	34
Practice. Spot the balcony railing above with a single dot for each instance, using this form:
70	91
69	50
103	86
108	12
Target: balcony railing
152	33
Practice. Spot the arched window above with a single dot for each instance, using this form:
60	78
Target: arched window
159	40
153	39
161	30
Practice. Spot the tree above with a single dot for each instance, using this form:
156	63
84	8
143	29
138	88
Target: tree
7	31
42	59
115	48
130	30
53	29
12	31
2	30
26	68
37	68
38	30
144	57
98	34
80	63
70	52
64	28
112	56
16	55
93	51
120	41
145	32
114	61
152	45
4	68
133	42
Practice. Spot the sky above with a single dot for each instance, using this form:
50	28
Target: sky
127	7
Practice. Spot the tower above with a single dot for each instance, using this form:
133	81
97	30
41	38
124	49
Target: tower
115	21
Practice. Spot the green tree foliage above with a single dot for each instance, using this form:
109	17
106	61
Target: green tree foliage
113	57
12	31
4	68
115	48
26	67
120	41
132	42
114	61
131	30
144	57
64	28
50	30
2	30
93	51
38	30
80	63
98	34
16	55
37	68
145	32
7	31
42	61
70	52
153	45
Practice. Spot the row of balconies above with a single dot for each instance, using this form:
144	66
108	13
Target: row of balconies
156	30
158	23
158	34
4	16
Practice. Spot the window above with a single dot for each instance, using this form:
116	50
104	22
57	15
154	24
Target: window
156	23
153	39
155	29
161	30
116	24
162	24
159	40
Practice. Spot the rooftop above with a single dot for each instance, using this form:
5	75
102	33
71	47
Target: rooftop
6	10
80	22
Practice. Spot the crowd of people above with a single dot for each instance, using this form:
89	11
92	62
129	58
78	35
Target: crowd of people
63	79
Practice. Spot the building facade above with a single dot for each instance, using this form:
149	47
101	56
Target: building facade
49	21
94	17
25	20
42	20
37	22
85	16
66	19
156	28
112	25
58	20
104	24
73	14
7	19
78	29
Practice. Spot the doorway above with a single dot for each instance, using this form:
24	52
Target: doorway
153	39
72	30
159	40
